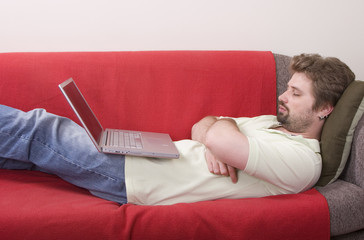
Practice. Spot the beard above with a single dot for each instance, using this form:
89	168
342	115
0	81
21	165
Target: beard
296	123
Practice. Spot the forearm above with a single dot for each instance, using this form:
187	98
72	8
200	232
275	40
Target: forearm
227	143
215	134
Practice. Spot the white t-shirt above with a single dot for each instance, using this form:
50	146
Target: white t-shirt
278	163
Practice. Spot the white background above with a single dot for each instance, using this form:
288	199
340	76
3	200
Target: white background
328	27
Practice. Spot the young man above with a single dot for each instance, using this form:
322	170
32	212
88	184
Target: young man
263	156
315	87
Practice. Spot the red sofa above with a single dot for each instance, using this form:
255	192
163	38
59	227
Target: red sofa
173	90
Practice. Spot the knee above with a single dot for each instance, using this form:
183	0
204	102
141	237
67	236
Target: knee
42	123
42	117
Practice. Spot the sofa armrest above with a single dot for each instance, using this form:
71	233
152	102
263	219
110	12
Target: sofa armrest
346	206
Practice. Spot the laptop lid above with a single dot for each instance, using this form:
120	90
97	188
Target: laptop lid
83	111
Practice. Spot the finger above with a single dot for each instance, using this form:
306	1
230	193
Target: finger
223	169
212	163
216	167
233	174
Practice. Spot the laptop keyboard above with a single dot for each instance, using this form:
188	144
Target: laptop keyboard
124	139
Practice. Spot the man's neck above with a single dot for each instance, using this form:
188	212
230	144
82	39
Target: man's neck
312	133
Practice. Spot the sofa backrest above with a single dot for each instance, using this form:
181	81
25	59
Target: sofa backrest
354	170
164	91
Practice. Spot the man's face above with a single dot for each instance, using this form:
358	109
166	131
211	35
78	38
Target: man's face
295	107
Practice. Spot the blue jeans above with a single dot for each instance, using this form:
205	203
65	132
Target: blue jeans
37	140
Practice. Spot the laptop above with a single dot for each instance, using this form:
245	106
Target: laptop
116	141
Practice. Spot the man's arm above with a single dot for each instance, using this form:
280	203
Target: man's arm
215	166
227	143
217	135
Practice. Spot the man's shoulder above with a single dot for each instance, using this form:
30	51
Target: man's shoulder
263	120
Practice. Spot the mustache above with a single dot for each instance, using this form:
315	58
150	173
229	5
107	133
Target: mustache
280	103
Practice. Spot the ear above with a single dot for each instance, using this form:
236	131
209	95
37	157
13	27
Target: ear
325	110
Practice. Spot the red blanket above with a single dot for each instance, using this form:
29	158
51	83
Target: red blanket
160	91
300	216
174	90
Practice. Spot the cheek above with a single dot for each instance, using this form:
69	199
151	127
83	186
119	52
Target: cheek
300	107
304	102
307	108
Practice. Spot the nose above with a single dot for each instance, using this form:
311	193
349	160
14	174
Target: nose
283	97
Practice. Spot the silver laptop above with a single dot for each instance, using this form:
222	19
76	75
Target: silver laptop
136	143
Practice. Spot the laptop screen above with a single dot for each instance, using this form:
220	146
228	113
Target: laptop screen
82	109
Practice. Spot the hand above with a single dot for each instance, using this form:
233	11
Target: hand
217	167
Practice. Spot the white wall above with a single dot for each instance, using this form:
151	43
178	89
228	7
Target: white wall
329	27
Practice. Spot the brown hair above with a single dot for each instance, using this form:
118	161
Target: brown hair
330	76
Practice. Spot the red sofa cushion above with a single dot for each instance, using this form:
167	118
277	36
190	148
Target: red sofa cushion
39	206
